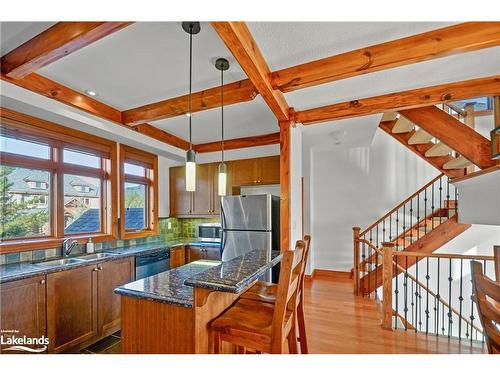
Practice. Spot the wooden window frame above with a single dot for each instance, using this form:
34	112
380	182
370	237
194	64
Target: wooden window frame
150	163
58	137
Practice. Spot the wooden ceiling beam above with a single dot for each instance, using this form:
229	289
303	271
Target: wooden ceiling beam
240	42
54	43
464	37
232	144
236	92
421	97
162	135
53	90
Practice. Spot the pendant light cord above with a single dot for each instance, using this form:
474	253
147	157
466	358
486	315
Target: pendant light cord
190	81
222	109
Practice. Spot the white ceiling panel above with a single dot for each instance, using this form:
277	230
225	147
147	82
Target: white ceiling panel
13	34
144	63
285	44
429	73
240	120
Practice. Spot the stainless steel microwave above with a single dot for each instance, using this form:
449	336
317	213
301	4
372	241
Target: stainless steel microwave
209	232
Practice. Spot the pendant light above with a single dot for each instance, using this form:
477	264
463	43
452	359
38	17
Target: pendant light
191	28
222	65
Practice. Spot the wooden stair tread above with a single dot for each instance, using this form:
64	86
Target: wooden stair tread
402	125
389	116
420	137
439	149
457	163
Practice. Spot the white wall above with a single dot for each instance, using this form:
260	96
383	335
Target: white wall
354	186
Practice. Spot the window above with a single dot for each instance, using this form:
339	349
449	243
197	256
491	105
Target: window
54	183
139	199
24	214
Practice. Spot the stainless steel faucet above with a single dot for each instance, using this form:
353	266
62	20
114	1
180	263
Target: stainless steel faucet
66	249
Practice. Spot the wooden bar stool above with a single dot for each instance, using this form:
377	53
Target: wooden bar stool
266	292
262	326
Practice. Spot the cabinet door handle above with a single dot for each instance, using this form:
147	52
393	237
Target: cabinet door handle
42	281
95	269
99	268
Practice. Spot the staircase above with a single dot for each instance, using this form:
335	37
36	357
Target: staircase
422	223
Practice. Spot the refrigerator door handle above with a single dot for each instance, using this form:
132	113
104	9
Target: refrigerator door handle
223	228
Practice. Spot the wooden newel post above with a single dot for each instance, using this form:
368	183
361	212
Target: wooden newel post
355	268
387	275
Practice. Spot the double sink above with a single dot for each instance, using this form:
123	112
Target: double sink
75	260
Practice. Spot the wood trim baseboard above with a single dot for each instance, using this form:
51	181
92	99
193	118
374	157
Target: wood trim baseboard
330	274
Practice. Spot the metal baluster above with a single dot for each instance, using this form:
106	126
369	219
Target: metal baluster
383	231
460	299
397	224
416	299
363	257
372	254
471	312
390	228
411	221
427	277
418	216
484	268
450	320
405	284
425	209
432	207
437	297
412	304
448	195
404	226
440	199
396	290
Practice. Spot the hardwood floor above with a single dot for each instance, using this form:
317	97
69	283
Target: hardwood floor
338	322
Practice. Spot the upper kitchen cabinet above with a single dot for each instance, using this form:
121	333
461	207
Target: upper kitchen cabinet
180	199
205	201
258	171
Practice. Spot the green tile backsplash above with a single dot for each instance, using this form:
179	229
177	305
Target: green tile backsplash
180	228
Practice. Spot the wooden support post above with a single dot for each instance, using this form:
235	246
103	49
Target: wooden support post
470	122
355	268
387	276
496	258
285	182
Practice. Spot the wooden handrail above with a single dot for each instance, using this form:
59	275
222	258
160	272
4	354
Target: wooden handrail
402	203
447	256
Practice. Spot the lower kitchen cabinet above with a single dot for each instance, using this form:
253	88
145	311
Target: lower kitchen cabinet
71	307
202	252
177	256
110	275
23	307
81	304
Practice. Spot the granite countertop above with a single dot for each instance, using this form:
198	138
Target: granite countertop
168	286
236	274
176	286
18	271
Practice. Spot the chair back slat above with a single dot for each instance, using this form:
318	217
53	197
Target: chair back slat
496	258
290	268
487	296
307	241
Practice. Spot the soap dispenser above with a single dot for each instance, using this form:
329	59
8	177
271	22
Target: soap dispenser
90	246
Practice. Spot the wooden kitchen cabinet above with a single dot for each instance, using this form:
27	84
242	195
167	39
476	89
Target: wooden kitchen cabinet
257	171
203	252
71	307
177	256
111	275
23	307
180	199
202	197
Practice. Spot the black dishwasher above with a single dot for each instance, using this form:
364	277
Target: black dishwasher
152	264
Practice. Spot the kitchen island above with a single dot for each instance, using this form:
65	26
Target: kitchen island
170	312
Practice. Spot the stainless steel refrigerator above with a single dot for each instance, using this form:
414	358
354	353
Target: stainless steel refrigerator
249	222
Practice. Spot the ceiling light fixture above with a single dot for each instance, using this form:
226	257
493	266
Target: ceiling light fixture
191	28
90	93
222	65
